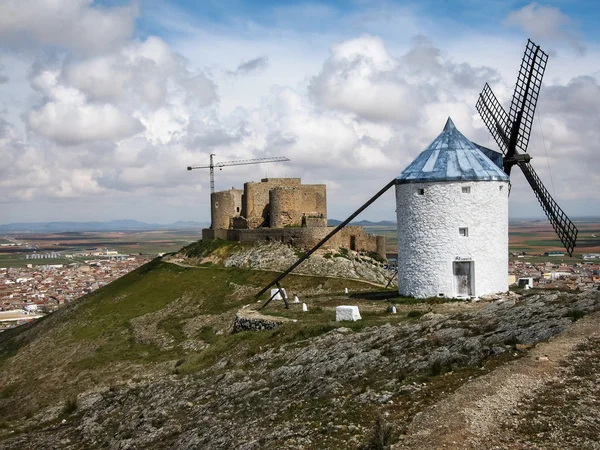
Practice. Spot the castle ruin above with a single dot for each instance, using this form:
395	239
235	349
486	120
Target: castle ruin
284	210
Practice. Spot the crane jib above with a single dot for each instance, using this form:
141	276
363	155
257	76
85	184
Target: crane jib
241	162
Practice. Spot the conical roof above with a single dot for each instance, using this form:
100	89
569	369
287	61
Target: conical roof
451	157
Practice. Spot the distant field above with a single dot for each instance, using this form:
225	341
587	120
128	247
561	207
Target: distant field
18	260
552	259
126	242
537	237
531	237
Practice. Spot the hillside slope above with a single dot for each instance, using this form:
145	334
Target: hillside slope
138	326
149	361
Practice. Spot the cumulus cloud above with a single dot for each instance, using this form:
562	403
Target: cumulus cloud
254	65
73	24
139	87
566	113
363	78
3	78
73	121
118	125
546	23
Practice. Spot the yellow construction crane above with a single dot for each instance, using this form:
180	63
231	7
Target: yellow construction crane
241	162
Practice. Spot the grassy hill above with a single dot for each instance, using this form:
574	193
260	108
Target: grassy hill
133	327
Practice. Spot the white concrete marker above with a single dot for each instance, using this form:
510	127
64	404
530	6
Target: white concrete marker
393	310
304	307
296	299
278	294
345	290
347	313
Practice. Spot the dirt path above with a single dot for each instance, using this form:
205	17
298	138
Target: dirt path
470	418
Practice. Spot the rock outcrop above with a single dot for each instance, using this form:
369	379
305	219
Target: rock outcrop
346	264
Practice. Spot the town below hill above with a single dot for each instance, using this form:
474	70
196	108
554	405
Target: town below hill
28	293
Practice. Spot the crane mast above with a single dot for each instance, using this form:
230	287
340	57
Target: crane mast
211	166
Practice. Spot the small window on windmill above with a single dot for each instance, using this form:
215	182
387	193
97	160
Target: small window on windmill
237	209
216	204
463	232
421	191
500	188
466	189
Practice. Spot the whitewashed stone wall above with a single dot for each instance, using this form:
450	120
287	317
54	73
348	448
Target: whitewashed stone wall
429	240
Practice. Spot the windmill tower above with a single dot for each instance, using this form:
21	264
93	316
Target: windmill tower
452	210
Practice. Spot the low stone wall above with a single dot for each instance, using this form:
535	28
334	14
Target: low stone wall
253	321
305	237
316	222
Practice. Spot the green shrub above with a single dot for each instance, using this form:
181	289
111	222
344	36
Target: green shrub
203	248
436	368
574	314
299	253
342	253
381	436
377	257
70	405
414	314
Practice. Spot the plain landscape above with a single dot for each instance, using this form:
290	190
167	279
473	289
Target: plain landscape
533	236
155	358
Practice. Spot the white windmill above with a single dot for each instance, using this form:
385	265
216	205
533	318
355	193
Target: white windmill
452	209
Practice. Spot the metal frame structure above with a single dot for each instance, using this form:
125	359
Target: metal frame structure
241	162
512	132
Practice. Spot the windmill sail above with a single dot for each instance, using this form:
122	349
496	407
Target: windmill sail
494	117
527	90
566	230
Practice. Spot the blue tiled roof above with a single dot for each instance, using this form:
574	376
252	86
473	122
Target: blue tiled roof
452	157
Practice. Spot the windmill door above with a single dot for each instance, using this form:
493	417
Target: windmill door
462	278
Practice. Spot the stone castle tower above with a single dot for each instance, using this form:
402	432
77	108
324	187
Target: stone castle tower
272	202
452	210
282	210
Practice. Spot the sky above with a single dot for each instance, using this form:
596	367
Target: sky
103	104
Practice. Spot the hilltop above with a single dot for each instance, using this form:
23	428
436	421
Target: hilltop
150	361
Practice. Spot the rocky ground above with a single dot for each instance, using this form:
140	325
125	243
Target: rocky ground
323	391
546	399
342	263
